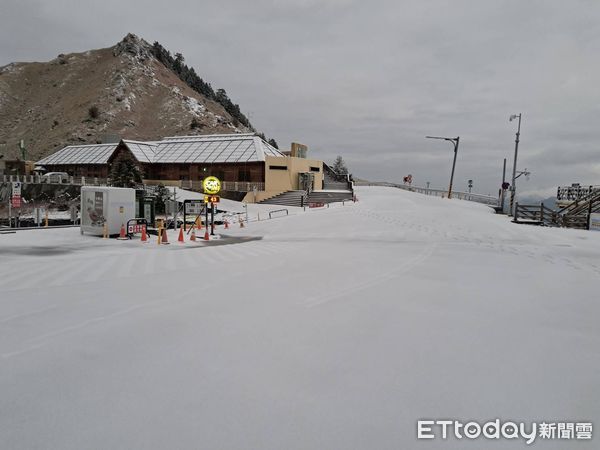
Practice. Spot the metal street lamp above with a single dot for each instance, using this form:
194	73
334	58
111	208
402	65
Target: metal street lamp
454	141
514	174
523	172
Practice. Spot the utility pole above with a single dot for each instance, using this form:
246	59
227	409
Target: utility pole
10	207
175	208
503	190
455	141
514	171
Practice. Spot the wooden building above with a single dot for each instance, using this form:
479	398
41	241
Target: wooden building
244	162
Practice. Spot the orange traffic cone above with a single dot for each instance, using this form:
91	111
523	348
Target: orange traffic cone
180	238
206	237
122	235
165	239
144	235
193	236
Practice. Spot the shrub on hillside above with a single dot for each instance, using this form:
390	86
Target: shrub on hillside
93	112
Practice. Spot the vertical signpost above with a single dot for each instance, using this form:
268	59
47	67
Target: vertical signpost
15	201
211	186
191	207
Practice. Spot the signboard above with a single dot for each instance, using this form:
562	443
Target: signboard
16	189
136	226
16	195
212	199
92	214
211	185
193	207
595	221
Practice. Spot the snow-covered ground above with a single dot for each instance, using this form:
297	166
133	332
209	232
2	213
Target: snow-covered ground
339	329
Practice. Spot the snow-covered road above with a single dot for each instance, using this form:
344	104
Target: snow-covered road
339	329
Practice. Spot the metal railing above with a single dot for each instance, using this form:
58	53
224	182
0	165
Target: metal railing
287	213
469	196
538	214
238	186
588	203
542	215
576	192
40	179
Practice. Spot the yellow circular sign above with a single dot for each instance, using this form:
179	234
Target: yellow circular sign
211	185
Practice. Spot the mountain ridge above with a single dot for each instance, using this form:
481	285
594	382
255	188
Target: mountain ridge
92	96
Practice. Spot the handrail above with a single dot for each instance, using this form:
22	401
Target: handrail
549	217
287	213
36	179
469	196
582	202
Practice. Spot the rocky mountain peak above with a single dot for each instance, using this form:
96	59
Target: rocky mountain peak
134	46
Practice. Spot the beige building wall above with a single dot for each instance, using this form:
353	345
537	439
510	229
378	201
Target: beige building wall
279	180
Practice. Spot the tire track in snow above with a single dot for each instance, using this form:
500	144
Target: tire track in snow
73	273
373	281
40	341
25	278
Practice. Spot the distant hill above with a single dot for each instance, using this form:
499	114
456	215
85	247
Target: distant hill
550	202
133	90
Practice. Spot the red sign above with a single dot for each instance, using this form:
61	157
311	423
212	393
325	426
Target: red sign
135	228
16	201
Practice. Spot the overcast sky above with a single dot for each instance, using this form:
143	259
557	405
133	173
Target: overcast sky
368	80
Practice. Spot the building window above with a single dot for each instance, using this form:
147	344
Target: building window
277	167
243	175
219	174
315	169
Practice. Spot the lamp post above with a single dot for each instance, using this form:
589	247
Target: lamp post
503	186
455	142
514	171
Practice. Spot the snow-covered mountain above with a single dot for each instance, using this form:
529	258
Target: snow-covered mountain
123	90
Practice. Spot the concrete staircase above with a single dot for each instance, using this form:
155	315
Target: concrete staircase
329	196
575	215
330	183
289	198
335	189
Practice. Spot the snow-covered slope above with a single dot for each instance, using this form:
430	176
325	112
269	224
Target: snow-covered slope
339	329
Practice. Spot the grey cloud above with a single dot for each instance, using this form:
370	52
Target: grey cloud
368	80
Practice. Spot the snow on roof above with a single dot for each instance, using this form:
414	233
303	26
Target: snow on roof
80	154
143	151
216	148
209	137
